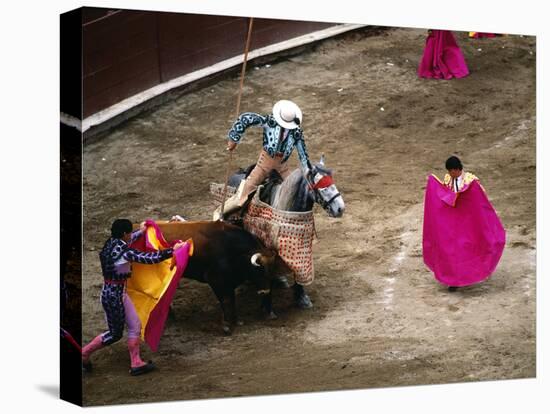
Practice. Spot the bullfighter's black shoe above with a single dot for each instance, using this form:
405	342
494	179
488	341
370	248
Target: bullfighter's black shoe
148	367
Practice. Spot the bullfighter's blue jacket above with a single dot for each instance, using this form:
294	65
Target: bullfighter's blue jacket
272	132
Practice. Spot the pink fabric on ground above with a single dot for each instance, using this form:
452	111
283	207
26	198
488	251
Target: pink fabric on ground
157	318
442	58
463	238
478	35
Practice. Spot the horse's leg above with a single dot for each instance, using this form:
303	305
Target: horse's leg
301	298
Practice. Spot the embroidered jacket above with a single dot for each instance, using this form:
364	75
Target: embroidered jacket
465	179
272	143
116	255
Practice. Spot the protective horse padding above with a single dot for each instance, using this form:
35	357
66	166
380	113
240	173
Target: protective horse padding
290	233
217	191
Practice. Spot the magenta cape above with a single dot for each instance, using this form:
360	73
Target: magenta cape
152	287
157	318
463	239
442	57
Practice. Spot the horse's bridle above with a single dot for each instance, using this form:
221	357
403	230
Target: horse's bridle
324	182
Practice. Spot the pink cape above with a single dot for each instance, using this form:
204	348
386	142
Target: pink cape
463	238
442	57
157	318
158	315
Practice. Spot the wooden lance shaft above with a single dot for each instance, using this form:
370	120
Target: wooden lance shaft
237	111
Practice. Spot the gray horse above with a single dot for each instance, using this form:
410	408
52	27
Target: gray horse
298	192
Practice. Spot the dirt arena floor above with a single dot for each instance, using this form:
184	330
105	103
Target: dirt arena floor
379	318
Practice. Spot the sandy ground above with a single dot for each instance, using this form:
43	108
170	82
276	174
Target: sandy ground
379	317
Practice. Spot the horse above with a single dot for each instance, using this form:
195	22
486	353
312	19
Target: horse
298	192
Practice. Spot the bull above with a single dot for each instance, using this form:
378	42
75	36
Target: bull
225	256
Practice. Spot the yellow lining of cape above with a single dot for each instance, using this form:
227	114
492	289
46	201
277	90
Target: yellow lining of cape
149	282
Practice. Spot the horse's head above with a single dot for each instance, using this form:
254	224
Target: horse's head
324	190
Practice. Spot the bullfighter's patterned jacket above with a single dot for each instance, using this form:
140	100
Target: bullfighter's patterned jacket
272	143
116	256
465	179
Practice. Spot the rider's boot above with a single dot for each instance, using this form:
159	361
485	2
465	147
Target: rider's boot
231	205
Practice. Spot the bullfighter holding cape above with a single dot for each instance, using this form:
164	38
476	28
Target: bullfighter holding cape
463	238
140	299
442	57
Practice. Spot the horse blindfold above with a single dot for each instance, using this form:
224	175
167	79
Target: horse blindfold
324	182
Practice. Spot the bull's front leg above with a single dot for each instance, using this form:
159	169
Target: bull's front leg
267	303
232	314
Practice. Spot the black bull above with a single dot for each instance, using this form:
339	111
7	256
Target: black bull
225	256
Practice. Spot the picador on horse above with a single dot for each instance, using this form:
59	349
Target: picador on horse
293	192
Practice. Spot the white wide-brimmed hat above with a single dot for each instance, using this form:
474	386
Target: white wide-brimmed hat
287	114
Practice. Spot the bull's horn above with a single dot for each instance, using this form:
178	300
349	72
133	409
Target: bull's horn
254	259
